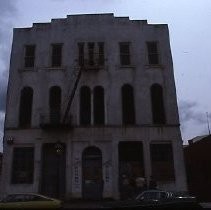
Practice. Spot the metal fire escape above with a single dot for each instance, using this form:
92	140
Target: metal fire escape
75	76
64	121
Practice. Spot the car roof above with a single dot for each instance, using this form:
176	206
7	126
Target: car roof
154	191
43	196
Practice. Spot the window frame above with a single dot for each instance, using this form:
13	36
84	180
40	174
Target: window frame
125	54
60	56
26	57
163	160
21	154
157	53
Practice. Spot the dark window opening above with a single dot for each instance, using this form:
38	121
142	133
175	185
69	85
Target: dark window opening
55	104
81	54
124	53
85	106
101	59
153	56
158	111
128	107
131	164
25	110
23	165
162	162
91	53
99	110
56	55
29	56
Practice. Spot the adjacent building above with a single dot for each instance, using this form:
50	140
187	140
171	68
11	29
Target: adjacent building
91	99
197	160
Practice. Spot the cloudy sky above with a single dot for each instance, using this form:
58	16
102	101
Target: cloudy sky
190	32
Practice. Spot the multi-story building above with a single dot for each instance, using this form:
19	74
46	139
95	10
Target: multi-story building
91	99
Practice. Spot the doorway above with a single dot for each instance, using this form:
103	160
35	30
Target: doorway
92	181
53	170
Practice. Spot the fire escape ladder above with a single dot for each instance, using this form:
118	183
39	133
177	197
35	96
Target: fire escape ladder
77	74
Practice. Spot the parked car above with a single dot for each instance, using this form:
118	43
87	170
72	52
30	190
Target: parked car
29	201
157	199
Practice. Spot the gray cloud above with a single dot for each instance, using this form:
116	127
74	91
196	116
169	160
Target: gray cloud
188	112
7	18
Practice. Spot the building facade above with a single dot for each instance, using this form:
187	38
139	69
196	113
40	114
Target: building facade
197	160
91	99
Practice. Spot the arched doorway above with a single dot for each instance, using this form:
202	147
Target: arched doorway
92	181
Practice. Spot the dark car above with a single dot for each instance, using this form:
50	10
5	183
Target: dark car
157	199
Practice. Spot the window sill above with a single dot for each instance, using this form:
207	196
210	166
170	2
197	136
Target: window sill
59	68
31	69
126	66
154	66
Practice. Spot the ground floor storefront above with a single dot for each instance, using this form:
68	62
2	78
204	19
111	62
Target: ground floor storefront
93	165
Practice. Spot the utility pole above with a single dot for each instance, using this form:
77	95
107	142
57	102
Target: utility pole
208	124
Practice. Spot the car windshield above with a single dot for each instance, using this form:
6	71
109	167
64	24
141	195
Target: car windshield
148	196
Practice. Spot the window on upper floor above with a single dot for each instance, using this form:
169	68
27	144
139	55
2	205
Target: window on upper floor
101	57
91	47
89	106
157	103
124	50
56	55
85	106
162	161
25	108
98	106
29	56
128	107
55	104
91	54
23	165
81	53
153	55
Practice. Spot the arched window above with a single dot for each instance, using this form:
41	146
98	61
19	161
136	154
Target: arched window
99	110
158	111
85	106
25	109
55	104
128	108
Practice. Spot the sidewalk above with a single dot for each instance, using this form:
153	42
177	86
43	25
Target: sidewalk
81	204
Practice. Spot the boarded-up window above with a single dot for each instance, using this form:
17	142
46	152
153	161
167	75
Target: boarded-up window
25	109
128	108
153	56
162	161
23	165
158	111
56	56
55	104
99	110
124	48
85	106
29	56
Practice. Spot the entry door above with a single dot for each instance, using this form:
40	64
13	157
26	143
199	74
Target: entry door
53	170
92	174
